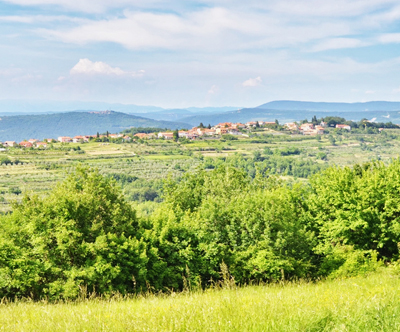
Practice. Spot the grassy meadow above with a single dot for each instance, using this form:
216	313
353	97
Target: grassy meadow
355	304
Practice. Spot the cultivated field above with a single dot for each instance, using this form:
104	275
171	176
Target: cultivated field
152	160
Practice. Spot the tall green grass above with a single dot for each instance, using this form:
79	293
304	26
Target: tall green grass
356	304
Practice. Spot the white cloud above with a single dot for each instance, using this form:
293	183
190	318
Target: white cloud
95	6
251	82
370	92
213	90
389	38
209	29
326	8
338	43
87	67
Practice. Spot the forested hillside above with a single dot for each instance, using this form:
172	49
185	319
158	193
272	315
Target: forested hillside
42	126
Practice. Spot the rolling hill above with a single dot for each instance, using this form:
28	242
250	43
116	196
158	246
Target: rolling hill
254	114
20	127
293	105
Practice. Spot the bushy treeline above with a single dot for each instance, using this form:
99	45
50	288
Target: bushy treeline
268	162
85	235
332	121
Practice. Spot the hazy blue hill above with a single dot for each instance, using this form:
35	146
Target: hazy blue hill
292	105
44	106
19	107
42	126
166	115
212	109
254	114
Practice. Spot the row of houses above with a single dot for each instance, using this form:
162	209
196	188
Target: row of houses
311	129
195	132
34	143
234	129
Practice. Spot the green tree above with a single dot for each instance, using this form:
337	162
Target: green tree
84	234
357	209
176	135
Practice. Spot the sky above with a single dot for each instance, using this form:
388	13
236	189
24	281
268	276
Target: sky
176	53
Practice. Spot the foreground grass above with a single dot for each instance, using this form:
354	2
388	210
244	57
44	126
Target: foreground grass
355	304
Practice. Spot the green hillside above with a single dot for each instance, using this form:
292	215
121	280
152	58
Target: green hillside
42	126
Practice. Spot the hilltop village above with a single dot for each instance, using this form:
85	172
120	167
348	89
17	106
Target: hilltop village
225	128
237	129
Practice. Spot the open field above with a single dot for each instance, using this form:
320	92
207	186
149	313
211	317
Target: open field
355	304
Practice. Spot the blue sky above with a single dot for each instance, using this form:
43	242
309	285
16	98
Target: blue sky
200	53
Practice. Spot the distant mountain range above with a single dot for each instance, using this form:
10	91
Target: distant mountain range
292	105
23	107
286	111
53	123
20	127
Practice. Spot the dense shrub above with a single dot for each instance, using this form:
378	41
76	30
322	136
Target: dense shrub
254	226
357	207
83	234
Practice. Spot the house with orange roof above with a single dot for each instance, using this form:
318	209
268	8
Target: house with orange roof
41	145
64	139
26	144
168	135
78	139
141	135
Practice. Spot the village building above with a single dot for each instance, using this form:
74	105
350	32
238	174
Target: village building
79	139
115	135
141	135
238	125
221	130
209	132
33	140
234	131
251	124
41	145
10	143
306	126
183	133
292	126
343	126
64	139
26	144
166	135
319	129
